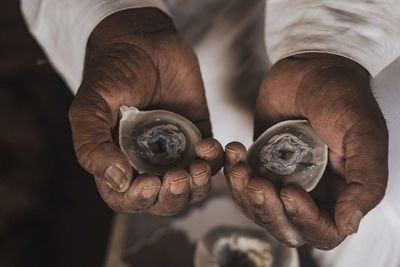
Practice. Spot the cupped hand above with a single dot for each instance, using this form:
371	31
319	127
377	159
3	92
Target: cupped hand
136	58
334	94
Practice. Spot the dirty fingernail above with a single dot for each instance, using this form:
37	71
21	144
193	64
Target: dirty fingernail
230	150
285	197
149	191
116	179
207	147
236	180
256	195
354	222
231	155
178	186
200	177
288	203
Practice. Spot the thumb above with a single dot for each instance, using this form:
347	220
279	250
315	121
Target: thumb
92	121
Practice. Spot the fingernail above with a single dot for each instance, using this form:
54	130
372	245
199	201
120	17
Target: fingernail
178	186
200	178
231	155
287	202
256	195
116	179
354	222
349	230
228	148
149	191
236	180
285	197
207	148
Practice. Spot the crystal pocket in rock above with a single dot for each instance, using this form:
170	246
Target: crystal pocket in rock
157	140
290	152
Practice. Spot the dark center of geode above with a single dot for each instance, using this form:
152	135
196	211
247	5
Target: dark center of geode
283	153
162	144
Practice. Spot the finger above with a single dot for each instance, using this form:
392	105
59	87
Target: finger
210	150
200	180
238	177
366	171
316	226
91	123
173	195
235	152
237	173
140	196
269	212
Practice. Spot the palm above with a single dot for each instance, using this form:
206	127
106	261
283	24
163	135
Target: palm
180	86
166	75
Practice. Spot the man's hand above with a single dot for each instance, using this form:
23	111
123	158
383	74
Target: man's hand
136	58
334	94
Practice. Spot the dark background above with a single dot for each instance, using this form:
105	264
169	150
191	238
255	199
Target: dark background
50	211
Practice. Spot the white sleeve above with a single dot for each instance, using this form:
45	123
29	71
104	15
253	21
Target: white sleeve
62	28
367	32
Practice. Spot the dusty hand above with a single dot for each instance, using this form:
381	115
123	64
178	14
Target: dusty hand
136	58
334	94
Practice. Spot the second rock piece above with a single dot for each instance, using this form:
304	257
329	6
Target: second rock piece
290	152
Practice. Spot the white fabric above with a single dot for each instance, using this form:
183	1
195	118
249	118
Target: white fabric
227	43
62	28
375	244
365	31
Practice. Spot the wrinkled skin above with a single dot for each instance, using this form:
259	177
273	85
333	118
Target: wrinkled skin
334	94
136	58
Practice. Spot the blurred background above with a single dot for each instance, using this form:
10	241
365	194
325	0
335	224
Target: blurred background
50	211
